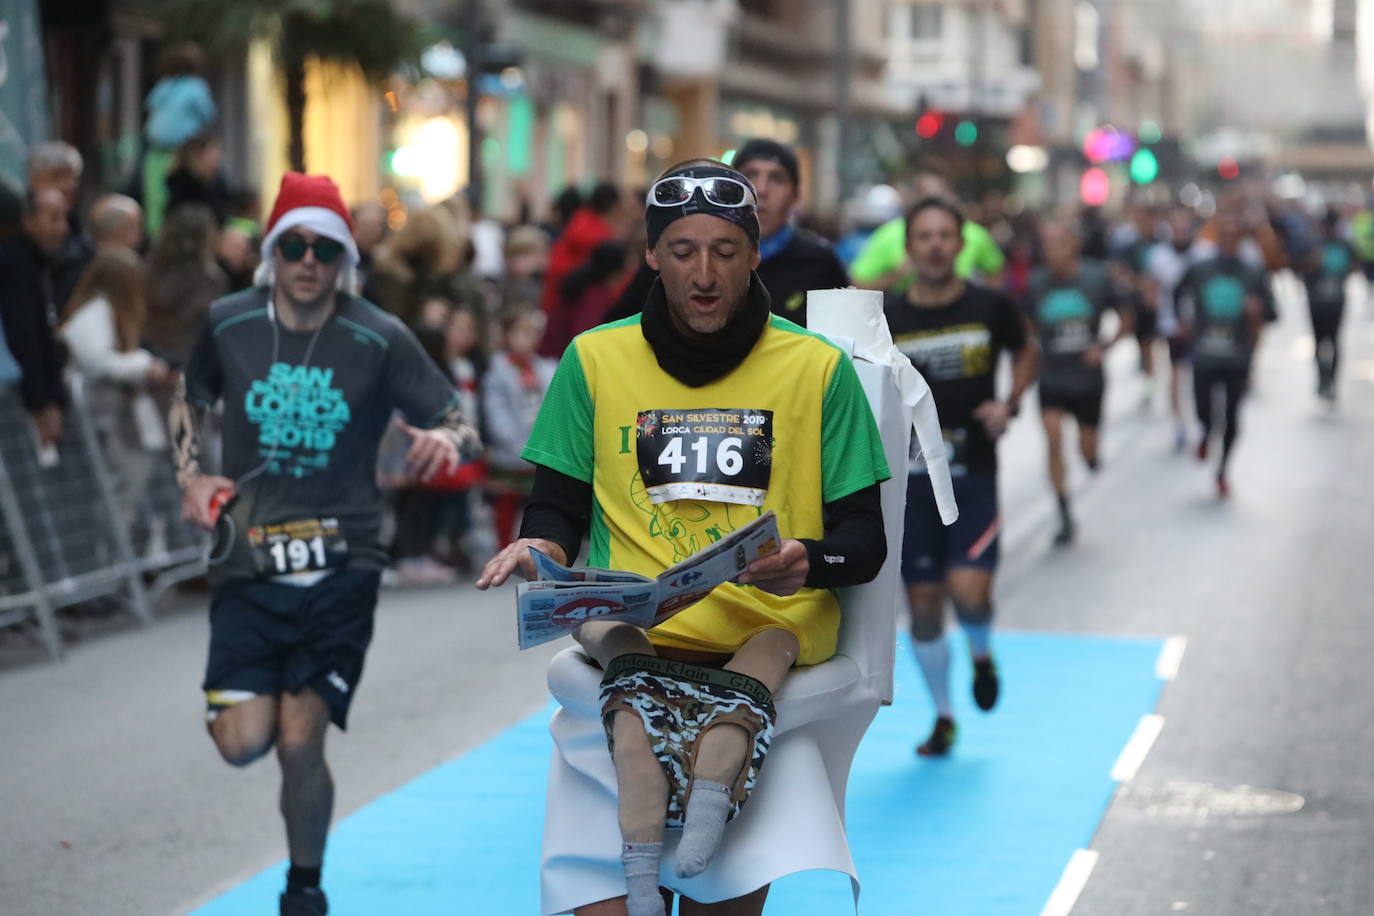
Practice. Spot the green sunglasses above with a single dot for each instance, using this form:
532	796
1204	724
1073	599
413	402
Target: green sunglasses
293	248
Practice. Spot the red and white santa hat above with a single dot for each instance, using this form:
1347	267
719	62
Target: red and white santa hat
310	202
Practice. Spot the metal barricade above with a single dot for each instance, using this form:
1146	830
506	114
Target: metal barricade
63	540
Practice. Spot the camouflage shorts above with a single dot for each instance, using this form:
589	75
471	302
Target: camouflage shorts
678	703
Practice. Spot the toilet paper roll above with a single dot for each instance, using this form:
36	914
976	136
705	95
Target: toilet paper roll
858	315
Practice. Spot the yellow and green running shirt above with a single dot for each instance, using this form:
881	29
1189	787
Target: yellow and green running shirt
612	418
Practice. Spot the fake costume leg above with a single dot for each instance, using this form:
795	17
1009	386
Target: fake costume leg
678	704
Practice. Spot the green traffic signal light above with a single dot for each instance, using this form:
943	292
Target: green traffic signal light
1144	166
966	133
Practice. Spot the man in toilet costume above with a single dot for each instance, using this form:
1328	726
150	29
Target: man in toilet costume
704	346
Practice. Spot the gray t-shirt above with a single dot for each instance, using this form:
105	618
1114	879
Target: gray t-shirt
302	435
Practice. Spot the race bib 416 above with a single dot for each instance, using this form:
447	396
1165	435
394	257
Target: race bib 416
717	454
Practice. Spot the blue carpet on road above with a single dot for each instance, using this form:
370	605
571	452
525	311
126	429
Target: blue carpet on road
986	832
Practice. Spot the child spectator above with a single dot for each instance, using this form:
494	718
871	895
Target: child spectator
179	107
101	327
465	361
512	390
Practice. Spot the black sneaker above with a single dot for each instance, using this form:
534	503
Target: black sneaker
985	684
941	738
304	901
1064	537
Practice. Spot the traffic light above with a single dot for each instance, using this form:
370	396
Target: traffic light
1228	168
1144	166
966	133
929	124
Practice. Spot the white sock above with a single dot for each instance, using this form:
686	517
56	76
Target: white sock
702	828
641	878
979	639
933	657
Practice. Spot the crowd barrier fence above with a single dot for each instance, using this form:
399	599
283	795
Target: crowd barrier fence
62	538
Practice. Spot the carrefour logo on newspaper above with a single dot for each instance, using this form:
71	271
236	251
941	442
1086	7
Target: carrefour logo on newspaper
297	408
582	609
687	579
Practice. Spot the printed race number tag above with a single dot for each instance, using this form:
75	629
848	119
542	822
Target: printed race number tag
302	545
718	454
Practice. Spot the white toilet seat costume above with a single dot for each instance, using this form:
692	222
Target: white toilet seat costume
794	820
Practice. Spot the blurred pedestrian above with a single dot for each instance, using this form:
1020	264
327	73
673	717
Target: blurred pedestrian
1221	304
527	260
101	327
370	230
236	253
180	107
1066	302
598	221
793	259
59	166
585	296
196	178
28	312
117	220
567	203
1167	262
183	279
883	262
423	259
512	391
1325	270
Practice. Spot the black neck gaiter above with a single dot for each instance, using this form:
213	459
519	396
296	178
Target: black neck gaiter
700	361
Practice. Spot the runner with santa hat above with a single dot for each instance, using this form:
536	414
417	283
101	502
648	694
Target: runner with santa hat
307	376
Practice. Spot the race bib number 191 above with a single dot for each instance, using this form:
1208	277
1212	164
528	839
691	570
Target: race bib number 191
302	545
716	454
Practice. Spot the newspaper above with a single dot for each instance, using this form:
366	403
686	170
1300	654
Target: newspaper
560	597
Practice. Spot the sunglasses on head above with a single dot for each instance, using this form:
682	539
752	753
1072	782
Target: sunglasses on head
293	248
723	192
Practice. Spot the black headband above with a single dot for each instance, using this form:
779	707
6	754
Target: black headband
656	219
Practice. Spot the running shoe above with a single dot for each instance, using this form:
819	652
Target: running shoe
1064	537
940	741
1223	488
1180	439
1202	447
985	683
304	901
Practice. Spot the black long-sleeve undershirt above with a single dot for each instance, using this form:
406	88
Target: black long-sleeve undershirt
851	552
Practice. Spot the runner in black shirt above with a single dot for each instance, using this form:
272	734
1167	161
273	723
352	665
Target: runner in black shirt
1327	267
309	377
1066	301
953	332
1221	302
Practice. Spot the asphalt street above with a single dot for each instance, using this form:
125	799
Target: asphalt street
1256	797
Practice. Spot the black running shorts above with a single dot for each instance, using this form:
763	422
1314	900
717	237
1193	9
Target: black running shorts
1086	408
266	637
930	549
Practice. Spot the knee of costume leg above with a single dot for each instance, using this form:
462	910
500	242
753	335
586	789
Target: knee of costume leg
678	703
975	613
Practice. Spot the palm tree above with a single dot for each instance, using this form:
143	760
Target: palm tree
368	33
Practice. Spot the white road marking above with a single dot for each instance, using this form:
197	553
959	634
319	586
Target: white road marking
1133	754
1170	657
1071	883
